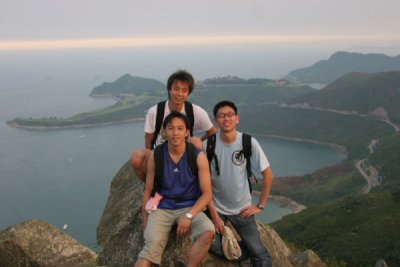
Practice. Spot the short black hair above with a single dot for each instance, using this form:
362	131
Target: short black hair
183	76
176	114
224	103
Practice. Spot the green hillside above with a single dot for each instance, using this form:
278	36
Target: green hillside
358	230
342	63
359	92
386	159
353	132
130	85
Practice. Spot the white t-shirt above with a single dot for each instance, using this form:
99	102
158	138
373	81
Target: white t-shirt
231	191
202	121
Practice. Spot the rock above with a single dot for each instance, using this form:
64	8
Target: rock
120	231
381	263
39	244
306	259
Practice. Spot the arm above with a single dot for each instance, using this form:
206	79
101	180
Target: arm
208	133
218	222
267	183
205	197
148	138
148	187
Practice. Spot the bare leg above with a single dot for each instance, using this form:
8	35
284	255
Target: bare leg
139	160
200	249
142	263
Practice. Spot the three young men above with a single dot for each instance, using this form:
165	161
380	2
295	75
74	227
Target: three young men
179	85
231	193
185	194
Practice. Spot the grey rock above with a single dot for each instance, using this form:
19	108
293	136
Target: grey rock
36	243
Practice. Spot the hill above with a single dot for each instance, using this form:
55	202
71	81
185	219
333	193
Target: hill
377	94
357	231
130	85
342	63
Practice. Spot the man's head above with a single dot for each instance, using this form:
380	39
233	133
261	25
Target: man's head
180	84
225	114
176	126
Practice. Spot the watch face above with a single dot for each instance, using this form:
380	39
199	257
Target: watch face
188	215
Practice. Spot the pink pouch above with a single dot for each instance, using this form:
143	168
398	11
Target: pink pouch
152	203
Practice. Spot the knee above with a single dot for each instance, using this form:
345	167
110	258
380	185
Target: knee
206	238
137	158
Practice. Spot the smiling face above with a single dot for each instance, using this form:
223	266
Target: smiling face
176	131
179	92
226	119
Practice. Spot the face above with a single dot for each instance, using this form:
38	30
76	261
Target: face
179	92
176	132
227	119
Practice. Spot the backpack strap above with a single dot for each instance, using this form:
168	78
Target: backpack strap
159	120
190	115
210	151
246	144
159	164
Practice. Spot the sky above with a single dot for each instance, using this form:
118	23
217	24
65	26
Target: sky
44	24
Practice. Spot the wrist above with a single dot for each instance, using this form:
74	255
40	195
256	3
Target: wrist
260	206
188	216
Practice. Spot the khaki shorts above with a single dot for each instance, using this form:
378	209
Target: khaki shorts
159	226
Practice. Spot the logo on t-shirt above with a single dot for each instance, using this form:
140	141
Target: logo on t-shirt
238	158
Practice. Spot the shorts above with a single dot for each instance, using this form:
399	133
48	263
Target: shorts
159	225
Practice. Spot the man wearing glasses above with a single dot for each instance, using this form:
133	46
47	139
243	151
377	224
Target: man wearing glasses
231	192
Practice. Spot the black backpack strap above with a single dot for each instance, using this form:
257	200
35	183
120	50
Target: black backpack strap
210	151
190	115
192	159
159	120
246	144
159	167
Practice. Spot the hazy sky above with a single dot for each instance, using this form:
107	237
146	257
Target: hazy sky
162	21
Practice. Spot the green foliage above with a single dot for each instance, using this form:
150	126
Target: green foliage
323	186
356	230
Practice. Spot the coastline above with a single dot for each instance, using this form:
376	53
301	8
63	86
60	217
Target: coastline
312	141
285	202
73	126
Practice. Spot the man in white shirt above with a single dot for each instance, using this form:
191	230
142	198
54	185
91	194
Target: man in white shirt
180	85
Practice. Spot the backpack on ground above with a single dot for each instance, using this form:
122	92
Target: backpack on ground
159	163
246	152
160	118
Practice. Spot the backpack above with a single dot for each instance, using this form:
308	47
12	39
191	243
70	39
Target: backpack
246	151
160	118
159	163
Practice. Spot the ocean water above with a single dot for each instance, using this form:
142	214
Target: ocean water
64	176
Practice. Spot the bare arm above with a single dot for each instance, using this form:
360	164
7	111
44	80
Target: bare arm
148	138
218	222
267	183
148	187
208	133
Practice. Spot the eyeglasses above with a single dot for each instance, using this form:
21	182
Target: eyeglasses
225	115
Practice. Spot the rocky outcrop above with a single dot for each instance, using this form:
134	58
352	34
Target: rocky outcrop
120	231
36	243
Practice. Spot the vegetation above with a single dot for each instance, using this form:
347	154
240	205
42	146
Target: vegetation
357	230
342	63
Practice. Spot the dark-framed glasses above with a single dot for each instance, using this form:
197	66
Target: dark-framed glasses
225	115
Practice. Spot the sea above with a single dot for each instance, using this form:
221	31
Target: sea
64	176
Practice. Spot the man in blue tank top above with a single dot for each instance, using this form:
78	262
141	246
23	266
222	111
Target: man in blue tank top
184	196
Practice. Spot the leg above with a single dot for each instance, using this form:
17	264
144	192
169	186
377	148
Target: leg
201	233
248	232
139	160
200	249
142	263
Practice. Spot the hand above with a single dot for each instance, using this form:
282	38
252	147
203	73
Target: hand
249	211
218	224
183	225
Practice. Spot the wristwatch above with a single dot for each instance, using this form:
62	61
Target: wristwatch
261	207
188	215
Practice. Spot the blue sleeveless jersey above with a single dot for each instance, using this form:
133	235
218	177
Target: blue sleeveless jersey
179	186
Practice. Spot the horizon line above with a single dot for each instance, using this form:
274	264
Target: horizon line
42	44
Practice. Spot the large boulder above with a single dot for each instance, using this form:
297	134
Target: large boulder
36	243
120	231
